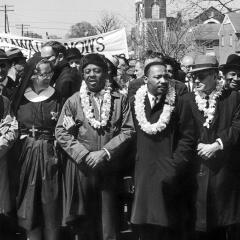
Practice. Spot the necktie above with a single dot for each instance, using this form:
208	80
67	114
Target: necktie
155	101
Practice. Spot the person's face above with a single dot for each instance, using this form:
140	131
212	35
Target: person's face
139	72
4	67
94	77
19	66
43	77
170	71
74	63
185	68
205	80
232	77
122	67
48	53
157	80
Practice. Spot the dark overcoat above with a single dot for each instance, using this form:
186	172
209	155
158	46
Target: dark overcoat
218	193
161	168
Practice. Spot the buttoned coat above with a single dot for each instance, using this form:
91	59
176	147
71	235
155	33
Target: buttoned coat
218	192
162	164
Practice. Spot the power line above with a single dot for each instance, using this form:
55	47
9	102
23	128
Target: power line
22	26
6	21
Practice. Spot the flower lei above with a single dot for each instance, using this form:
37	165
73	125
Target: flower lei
202	103
88	109
164	118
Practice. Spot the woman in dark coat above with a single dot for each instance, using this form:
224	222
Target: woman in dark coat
37	109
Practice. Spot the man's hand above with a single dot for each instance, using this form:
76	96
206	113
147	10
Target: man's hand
94	159
207	151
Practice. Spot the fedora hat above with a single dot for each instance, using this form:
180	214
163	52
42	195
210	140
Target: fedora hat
233	61
14	53
204	62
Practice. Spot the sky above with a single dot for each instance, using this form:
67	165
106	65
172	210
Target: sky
57	16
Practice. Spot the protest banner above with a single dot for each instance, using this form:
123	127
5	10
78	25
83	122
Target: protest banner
110	43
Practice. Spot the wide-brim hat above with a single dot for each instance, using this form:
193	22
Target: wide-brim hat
233	61
204	62
3	55
15	53
96	59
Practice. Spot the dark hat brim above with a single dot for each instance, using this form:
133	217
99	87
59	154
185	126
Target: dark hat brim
227	66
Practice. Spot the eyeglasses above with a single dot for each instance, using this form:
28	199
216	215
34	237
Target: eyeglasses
201	75
46	75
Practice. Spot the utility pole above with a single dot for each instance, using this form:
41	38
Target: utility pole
22	26
6	10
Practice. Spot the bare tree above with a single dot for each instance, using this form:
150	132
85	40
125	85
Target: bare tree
172	40
193	7
82	29
108	22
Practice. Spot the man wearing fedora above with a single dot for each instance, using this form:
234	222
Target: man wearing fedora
216	112
17	62
231	72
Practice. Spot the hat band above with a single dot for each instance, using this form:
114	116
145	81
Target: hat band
205	65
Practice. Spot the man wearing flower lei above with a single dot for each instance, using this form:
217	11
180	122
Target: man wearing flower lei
165	143
104	129
217	115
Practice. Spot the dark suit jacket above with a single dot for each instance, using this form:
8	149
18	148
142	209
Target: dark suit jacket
66	81
162	160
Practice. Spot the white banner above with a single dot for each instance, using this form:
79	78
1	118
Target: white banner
110	43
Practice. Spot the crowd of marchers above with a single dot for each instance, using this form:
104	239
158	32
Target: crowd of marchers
76	129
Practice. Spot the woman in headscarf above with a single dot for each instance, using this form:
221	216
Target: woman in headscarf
36	108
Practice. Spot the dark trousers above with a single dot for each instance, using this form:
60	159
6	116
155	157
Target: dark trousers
155	232
231	232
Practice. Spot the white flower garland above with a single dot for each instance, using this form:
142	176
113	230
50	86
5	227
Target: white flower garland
88	109
164	118
202	103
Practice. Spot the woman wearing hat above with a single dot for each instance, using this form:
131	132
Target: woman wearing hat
217	116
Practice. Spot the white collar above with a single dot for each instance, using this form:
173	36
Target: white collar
42	96
12	73
151	98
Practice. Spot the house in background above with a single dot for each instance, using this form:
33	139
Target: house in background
229	36
204	30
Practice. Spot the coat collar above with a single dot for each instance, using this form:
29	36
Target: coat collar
34	97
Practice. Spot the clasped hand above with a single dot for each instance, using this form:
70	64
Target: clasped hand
206	151
94	159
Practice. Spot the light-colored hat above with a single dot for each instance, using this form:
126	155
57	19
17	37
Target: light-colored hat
204	62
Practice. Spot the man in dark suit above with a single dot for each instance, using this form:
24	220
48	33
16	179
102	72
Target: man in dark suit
165	142
216	112
65	82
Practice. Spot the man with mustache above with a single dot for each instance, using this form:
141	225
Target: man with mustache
104	129
216	112
165	143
